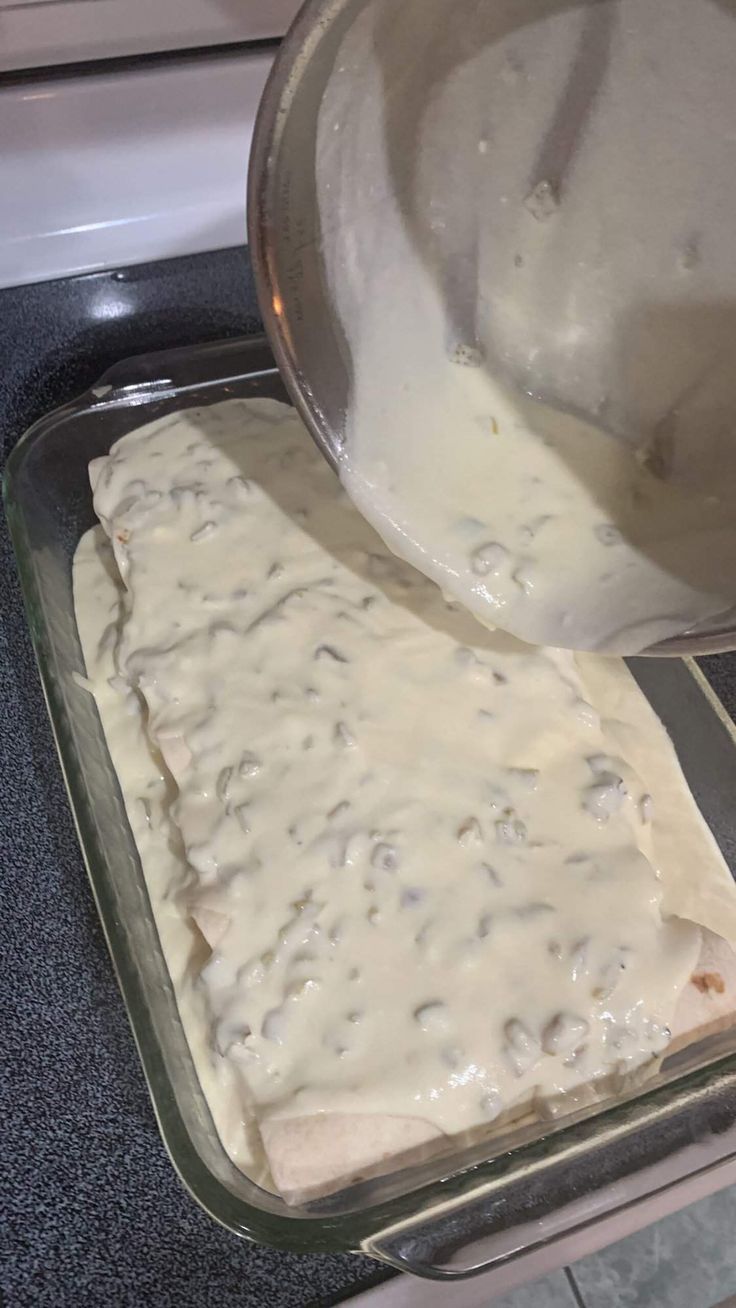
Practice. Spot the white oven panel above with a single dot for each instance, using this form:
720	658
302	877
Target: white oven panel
39	33
123	167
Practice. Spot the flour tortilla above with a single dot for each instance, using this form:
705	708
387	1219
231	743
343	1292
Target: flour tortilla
708	1004
696	882
313	1156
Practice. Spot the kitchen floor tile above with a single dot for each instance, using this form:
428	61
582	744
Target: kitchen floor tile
551	1291
687	1260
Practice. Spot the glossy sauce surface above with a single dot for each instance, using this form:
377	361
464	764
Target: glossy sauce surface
437	870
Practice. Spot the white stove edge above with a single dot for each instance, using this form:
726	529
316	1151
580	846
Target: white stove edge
120	168
39	33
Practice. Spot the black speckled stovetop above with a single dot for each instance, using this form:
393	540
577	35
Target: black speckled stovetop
92	1212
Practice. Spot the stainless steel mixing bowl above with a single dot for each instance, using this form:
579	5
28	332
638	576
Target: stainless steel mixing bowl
672	355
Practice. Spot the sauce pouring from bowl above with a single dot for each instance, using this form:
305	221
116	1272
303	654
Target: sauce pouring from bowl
471	255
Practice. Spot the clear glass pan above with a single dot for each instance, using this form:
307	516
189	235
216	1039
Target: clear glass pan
459	1213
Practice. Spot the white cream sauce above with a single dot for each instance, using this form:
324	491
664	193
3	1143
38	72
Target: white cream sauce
426	858
148	791
461	292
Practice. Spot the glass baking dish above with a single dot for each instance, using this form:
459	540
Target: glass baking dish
463	1211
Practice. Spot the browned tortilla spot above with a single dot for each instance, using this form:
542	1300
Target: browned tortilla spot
707	981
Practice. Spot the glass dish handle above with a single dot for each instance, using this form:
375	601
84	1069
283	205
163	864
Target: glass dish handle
512	1214
169	372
